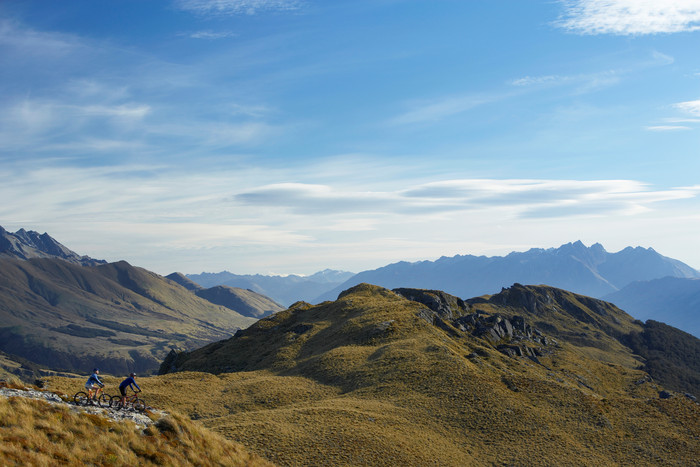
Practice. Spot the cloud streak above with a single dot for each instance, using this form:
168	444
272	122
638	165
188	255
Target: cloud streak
521	198
237	7
435	110
668	128
629	17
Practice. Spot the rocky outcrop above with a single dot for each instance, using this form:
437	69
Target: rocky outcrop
448	307
512	336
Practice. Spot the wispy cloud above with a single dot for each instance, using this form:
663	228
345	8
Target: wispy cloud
306	198
689	107
38	123
668	128
237	7
522	198
587	82
212	35
30	43
583	83
540	80
629	17
434	110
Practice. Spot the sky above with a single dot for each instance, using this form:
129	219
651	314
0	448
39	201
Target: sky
291	136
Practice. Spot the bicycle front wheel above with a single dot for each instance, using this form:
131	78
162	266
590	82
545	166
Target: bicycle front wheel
115	402
139	405
80	398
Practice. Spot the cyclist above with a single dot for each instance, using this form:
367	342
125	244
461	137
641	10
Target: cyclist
94	384
128	382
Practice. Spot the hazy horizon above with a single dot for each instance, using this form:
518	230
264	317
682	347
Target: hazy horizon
291	136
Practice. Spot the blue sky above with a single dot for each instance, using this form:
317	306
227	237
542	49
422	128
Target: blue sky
289	136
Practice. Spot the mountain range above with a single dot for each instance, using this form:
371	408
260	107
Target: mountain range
586	270
283	289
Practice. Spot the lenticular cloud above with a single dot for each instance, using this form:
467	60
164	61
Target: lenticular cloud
630	17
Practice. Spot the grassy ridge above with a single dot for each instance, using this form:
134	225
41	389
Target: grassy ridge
367	380
34	432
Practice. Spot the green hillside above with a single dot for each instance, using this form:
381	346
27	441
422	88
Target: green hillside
245	302
115	316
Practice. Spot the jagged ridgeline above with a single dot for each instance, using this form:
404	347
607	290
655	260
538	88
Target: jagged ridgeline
531	375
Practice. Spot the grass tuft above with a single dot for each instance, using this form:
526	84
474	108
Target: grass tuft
33	432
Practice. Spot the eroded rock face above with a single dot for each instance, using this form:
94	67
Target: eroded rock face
446	306
514	336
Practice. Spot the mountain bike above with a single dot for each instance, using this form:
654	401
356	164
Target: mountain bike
133	401
100	399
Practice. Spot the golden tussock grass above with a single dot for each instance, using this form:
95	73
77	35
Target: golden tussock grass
36	433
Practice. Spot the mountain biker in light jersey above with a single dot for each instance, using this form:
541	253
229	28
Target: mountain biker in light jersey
128	382
94	384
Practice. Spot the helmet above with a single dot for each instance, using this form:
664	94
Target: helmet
132	374
95	370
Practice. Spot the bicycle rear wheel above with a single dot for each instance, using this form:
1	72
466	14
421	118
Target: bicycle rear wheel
80	398
139	405
103	400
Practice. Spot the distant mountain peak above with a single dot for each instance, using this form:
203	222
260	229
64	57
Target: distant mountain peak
28	244
184	281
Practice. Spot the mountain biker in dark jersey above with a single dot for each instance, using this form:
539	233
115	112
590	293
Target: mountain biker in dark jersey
94	384
128	382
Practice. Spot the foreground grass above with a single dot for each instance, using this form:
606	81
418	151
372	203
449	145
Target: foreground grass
36	433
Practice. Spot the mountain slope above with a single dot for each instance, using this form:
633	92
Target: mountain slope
673	300
586	270
533	375
245	302
184	281
29	244
121	318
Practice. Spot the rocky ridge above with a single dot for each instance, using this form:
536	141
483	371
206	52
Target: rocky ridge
25	245
141	420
